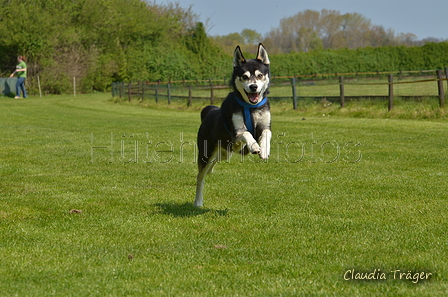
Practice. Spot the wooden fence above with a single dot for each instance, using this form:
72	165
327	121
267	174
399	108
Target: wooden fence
337	87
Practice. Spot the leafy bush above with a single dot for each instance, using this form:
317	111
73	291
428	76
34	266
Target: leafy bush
429	56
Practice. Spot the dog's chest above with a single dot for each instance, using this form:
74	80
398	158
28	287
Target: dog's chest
260	118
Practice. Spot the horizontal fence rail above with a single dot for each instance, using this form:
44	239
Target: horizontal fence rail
335	88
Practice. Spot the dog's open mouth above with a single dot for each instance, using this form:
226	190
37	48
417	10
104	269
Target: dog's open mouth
253	97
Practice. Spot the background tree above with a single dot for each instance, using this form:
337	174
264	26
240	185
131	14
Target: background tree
245	39
99	41
329	29
251	36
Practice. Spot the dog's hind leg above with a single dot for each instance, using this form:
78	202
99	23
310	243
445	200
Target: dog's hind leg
205	167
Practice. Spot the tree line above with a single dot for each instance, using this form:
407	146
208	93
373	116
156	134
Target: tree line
430	56
102	41
312	30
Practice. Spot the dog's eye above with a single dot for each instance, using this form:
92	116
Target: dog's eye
260	76
245	77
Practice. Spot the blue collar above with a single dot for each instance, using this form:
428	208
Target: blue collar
247	116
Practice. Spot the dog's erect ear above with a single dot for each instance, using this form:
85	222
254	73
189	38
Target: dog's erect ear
238	57
262	54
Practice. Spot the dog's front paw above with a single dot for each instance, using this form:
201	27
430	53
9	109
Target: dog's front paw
264	154
255	149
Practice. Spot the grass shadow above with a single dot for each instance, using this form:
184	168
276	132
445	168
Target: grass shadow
186	209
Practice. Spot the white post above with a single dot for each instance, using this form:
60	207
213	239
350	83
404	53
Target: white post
38	83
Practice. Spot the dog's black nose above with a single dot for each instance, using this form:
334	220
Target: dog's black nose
253	87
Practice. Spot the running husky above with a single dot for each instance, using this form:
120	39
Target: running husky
244	118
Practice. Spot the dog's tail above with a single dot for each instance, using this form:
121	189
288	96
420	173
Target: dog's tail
206	110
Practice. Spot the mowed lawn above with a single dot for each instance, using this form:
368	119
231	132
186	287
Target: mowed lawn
96	200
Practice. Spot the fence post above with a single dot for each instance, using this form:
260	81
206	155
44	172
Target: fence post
157	91
294	92
440	87
139	83
143	90
129	92
391	92
341	91
212	93
169	92
190	95
74	86
40	89
446	75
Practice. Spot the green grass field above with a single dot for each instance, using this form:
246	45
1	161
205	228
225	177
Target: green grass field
96	200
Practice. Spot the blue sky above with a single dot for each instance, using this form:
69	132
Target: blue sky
424	18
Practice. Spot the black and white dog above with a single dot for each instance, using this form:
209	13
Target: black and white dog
244	118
